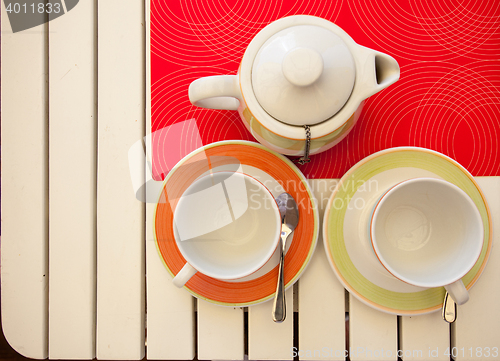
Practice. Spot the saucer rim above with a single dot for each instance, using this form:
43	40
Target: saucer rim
326	243
314	208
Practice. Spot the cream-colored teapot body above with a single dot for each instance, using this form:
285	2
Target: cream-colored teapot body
297	71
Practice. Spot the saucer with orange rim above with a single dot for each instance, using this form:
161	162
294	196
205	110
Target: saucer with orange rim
279	175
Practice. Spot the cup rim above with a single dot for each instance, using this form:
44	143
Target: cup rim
269	253
389	268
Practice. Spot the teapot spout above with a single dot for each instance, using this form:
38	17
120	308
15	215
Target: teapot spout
380	71
386	70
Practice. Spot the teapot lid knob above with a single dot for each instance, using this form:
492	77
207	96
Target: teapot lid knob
303	74
302	66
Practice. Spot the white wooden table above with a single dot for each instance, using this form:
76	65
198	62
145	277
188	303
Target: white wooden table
81	277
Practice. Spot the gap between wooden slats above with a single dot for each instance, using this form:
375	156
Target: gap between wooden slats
72	183
24	181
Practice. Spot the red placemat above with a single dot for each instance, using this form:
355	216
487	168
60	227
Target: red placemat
447	99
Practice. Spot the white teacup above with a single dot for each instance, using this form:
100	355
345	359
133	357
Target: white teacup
428	232
226	225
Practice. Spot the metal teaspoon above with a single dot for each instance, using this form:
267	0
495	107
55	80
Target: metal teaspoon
289	220
449	309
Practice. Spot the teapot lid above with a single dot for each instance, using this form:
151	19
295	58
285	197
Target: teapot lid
303	74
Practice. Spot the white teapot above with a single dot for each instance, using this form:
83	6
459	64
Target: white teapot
300	86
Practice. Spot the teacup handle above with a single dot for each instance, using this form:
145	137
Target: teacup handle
458	292
184	275
216	92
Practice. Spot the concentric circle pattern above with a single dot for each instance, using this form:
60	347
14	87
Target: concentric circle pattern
447	99
431	30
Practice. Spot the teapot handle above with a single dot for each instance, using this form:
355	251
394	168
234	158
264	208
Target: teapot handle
216	92
379	71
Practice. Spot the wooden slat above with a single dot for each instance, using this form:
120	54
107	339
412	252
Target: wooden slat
120	216
72	183
170	311
268	340
321	297
478	321
321	311
424	337
373	335
428	336
220	332
24	188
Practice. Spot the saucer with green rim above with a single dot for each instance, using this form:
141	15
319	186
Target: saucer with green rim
345	227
